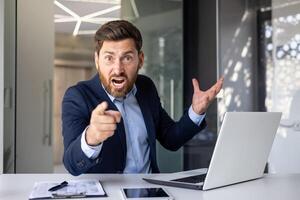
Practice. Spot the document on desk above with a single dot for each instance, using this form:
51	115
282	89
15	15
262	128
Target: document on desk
74	189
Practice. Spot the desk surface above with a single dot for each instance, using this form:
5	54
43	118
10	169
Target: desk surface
271	187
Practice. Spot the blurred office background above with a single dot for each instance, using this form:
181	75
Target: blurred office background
47	46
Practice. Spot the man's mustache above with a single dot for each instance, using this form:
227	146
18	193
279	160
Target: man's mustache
118	76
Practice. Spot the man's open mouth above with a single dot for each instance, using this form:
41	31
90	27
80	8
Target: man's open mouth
118	82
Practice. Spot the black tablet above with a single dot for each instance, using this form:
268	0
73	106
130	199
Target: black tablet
145	193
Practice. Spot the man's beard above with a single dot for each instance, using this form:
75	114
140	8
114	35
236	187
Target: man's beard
115	92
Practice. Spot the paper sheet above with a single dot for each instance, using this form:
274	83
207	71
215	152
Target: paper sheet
91	187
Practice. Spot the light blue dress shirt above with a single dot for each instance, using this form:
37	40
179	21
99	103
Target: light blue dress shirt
137	143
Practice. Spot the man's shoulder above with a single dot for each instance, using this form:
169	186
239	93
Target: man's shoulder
144	81
146	87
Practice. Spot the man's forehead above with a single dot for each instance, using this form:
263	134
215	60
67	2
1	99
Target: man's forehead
116	47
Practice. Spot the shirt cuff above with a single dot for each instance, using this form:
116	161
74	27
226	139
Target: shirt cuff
90	151
196	118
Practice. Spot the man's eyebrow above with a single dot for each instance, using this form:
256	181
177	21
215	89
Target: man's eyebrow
112	53
128	52
109	52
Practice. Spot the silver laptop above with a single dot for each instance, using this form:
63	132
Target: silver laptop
240	154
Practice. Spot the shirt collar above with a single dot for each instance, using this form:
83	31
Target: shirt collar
131	92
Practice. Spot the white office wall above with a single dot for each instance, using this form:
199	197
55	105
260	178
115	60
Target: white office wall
1	80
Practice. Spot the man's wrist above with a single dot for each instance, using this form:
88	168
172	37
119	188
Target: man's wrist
89	141
89	151
195	117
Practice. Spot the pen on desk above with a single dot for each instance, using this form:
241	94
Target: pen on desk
57	187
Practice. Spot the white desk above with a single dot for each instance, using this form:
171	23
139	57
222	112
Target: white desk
271	187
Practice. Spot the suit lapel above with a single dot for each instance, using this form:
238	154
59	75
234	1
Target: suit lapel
120	127
145	109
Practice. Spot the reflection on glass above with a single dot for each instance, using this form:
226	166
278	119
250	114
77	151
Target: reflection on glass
236	47
283	84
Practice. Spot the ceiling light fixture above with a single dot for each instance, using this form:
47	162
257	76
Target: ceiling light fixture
76	29
134	8
67	10
91	18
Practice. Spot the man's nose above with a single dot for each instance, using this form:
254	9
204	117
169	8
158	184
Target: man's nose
118	67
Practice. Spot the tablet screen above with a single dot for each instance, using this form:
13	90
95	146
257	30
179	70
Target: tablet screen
144	192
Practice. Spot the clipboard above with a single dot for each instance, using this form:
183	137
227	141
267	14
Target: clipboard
84	188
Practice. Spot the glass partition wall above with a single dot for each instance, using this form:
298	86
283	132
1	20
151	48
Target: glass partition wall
257	52
69	26
283	83
160	23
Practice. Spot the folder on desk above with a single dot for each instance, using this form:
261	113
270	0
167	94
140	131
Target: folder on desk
75	189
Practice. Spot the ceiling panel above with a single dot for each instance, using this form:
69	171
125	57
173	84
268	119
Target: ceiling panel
84	8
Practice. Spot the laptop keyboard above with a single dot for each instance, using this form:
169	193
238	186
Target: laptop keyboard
192	179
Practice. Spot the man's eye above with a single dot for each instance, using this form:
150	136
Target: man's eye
128	58
108	58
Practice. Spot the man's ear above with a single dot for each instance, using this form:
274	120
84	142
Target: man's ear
141	59
96	60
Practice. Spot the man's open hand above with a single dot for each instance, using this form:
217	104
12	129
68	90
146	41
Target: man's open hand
202	99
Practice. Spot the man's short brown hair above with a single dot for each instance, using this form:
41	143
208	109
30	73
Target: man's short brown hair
118	30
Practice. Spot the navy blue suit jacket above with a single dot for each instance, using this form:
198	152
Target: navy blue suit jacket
79	102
